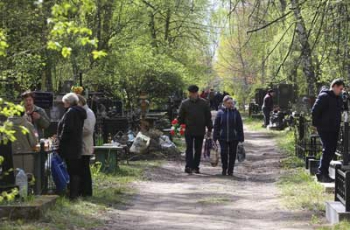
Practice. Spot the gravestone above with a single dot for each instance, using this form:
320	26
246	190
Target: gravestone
44	99
7	176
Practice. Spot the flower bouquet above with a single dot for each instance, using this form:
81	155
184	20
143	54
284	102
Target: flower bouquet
177	129
77	89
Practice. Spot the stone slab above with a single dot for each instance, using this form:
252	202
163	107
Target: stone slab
328	187
335	212
31	210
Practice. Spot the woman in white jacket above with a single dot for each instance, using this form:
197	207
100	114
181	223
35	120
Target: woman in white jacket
88	148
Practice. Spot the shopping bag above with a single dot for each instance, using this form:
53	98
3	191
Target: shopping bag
140	143
208	146
59	172
214	156
240	152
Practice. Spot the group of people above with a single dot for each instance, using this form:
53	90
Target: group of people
214	98
326	118
195	113
74	135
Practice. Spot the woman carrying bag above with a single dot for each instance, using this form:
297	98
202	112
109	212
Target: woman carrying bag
228	130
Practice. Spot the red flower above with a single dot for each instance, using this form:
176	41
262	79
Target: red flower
183	126
174	122
182	132
172	132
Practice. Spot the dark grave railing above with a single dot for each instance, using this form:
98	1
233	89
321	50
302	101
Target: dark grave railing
307	144
342	188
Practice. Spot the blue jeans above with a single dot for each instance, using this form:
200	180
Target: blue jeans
228	155
329	146
196	143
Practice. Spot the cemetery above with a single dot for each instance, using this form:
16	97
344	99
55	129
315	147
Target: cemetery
154	114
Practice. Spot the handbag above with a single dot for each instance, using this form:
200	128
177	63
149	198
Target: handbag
59	172
214	156
240	152
208	146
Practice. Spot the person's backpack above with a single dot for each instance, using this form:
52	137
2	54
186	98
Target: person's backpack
240	152
59	172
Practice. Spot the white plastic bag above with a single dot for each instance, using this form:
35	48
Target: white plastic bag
165	142
140	144
214	156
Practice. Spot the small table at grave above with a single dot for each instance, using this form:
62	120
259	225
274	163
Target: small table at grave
108	156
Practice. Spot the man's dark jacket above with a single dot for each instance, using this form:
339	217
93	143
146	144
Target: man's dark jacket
70	133
268	102
228	126
326	112
196	115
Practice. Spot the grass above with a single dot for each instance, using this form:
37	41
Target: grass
214	200
299	189
254	124
110	191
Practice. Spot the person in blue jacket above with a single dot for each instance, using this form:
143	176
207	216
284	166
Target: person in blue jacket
228	130
326	117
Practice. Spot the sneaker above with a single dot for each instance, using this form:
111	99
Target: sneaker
188	170
324	178
196	171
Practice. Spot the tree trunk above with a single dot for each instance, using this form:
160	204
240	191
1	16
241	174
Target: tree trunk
306	55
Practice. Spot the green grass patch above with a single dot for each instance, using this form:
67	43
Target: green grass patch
110	191
180	143
254	124
301	192
214	200
344	225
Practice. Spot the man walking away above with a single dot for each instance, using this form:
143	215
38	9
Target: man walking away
268	107
326	117
195	114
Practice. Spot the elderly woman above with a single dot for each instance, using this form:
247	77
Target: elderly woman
88	148
70	136
228	130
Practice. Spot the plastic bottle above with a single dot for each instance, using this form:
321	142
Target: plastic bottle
109	138
22	183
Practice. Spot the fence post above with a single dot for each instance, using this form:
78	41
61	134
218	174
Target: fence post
347	191
346	144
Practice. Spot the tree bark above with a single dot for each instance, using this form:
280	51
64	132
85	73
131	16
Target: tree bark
306	53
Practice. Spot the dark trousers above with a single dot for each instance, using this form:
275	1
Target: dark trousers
74	171
228	155
266	113
196	143
86	181
329	144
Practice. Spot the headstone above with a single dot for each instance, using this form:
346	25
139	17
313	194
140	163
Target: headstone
7	176
67	85
44	99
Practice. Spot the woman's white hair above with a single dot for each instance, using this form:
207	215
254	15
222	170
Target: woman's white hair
70	98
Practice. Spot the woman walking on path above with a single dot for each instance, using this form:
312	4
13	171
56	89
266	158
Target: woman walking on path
228	130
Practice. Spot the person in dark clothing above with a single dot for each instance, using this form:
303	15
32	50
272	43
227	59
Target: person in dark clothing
195	114
267	107
326	117
70	136
228	129
218	100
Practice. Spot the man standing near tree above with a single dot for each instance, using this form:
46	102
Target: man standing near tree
326	117
196	115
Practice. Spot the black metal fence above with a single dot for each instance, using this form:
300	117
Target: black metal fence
306	143
342	188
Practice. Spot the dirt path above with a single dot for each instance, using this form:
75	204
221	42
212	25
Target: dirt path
171	199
